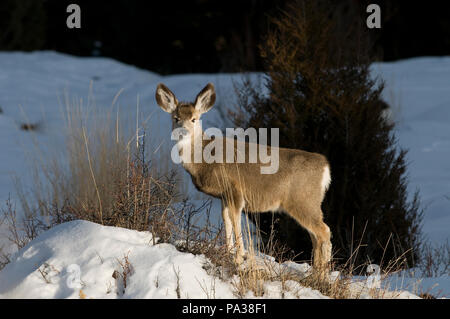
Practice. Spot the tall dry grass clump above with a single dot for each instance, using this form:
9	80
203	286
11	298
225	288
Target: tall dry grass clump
104	175
107	175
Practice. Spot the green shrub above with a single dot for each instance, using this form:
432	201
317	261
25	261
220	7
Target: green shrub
322	98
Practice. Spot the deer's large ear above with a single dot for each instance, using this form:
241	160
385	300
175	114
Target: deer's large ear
205	99
165	98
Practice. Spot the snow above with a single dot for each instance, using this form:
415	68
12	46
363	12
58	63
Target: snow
97	250
419	92
33	87
436	286
47	268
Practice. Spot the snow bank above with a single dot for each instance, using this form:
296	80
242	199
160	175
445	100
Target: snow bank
418	91
48	267
81	259
43	268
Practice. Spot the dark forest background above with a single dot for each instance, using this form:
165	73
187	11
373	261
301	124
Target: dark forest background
203	35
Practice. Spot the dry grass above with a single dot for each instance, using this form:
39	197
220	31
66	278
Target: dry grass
435	260
106	176
30	126
251	278
122	276
177	275
259	269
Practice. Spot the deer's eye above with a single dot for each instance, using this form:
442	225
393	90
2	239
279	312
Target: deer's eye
193	120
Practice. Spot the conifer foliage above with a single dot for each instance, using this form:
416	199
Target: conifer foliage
320	94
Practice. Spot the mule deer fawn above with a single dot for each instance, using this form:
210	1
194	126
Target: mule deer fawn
297	188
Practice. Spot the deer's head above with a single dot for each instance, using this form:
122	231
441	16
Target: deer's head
186	116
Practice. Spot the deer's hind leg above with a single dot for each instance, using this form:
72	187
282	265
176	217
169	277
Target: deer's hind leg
312	220
321	237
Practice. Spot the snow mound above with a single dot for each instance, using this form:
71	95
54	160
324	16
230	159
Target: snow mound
80	259
44	268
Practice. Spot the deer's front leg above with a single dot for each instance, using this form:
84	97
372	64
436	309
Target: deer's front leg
228	227
235	216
